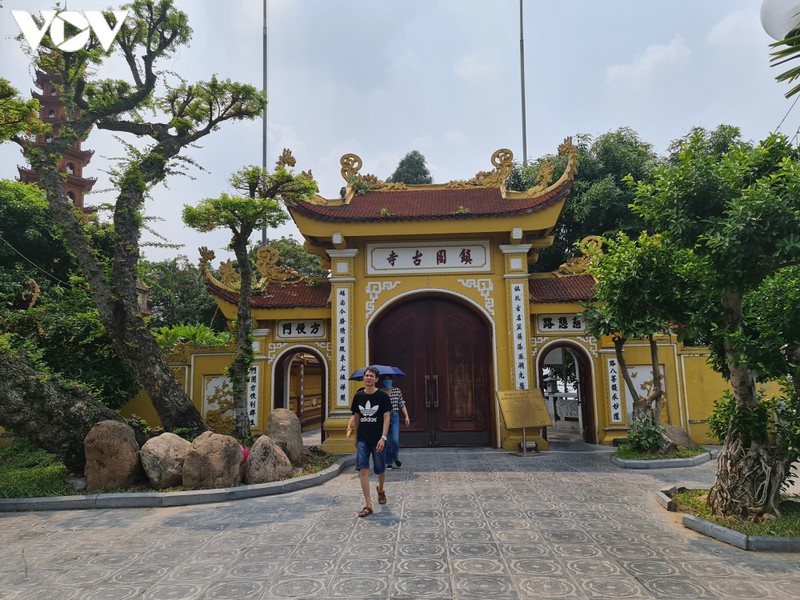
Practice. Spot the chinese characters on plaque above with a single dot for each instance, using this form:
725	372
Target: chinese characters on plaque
445	257
520	333
252	395
614	391
557	323
309	329
342	345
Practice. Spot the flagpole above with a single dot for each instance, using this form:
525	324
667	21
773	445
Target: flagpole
264	124
522	88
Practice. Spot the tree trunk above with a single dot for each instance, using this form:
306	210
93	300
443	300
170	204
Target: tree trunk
240	368
639	403
750	469
653	400
117	302
50	413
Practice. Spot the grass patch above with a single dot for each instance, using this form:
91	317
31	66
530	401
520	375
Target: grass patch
694	502
28	472
625	452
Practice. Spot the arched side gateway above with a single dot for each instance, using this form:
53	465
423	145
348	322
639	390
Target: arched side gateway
445	348
299	383
564	374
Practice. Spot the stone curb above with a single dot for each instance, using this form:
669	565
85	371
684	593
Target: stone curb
159	499
729	536
662	463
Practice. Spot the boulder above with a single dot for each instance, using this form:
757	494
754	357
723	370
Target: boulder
677	436
162	459
267	462
283	427
112	457
213	461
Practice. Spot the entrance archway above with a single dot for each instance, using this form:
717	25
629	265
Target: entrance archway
299	385
565	381
444	347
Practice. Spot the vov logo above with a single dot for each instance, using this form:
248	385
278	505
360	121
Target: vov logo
86	22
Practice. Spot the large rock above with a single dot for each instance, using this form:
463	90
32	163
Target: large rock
283	427
162	459
213	461
678	437
112	457
267	462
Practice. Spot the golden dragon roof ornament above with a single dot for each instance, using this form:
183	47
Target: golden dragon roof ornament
266	264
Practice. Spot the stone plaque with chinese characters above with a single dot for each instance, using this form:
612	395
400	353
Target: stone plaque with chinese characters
560	323
523	408
308	329
448	256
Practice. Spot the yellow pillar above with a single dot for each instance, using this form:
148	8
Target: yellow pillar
342	317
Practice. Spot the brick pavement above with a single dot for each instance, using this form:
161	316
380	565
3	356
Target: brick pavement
459	523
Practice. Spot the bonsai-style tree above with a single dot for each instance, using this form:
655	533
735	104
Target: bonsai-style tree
182	114
242	215
735	213
637	282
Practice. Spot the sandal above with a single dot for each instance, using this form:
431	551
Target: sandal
365	512
381	496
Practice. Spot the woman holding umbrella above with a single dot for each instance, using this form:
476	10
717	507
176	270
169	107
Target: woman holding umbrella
398	406
371	409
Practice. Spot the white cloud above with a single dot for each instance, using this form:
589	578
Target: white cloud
735	28
651	63
472	69
456	137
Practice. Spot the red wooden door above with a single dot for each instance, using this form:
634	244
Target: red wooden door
443	347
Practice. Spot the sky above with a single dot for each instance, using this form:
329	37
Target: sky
380	78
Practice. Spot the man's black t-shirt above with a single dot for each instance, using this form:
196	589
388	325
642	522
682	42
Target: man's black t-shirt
371	408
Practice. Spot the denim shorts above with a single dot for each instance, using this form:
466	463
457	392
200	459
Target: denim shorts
363	452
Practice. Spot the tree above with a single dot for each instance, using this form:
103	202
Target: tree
53	413
411	170
177	295
242	215
153	31
637	283
600	199
738	215
294	256
45	306
17	115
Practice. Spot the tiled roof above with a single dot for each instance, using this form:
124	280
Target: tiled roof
573	288
429	204
298	295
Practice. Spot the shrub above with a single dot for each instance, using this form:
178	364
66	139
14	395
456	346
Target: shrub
645	436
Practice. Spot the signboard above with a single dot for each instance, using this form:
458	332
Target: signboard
411	258
523	408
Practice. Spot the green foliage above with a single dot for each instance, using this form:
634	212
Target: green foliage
29	472
178	295
361	185
411	170
785	51
600	199
199	336
138	424
294	256
644	436
18	116
45	307
752	422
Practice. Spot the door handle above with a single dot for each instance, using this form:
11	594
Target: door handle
427	391
436	395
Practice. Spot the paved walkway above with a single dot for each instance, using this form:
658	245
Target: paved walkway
460	523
